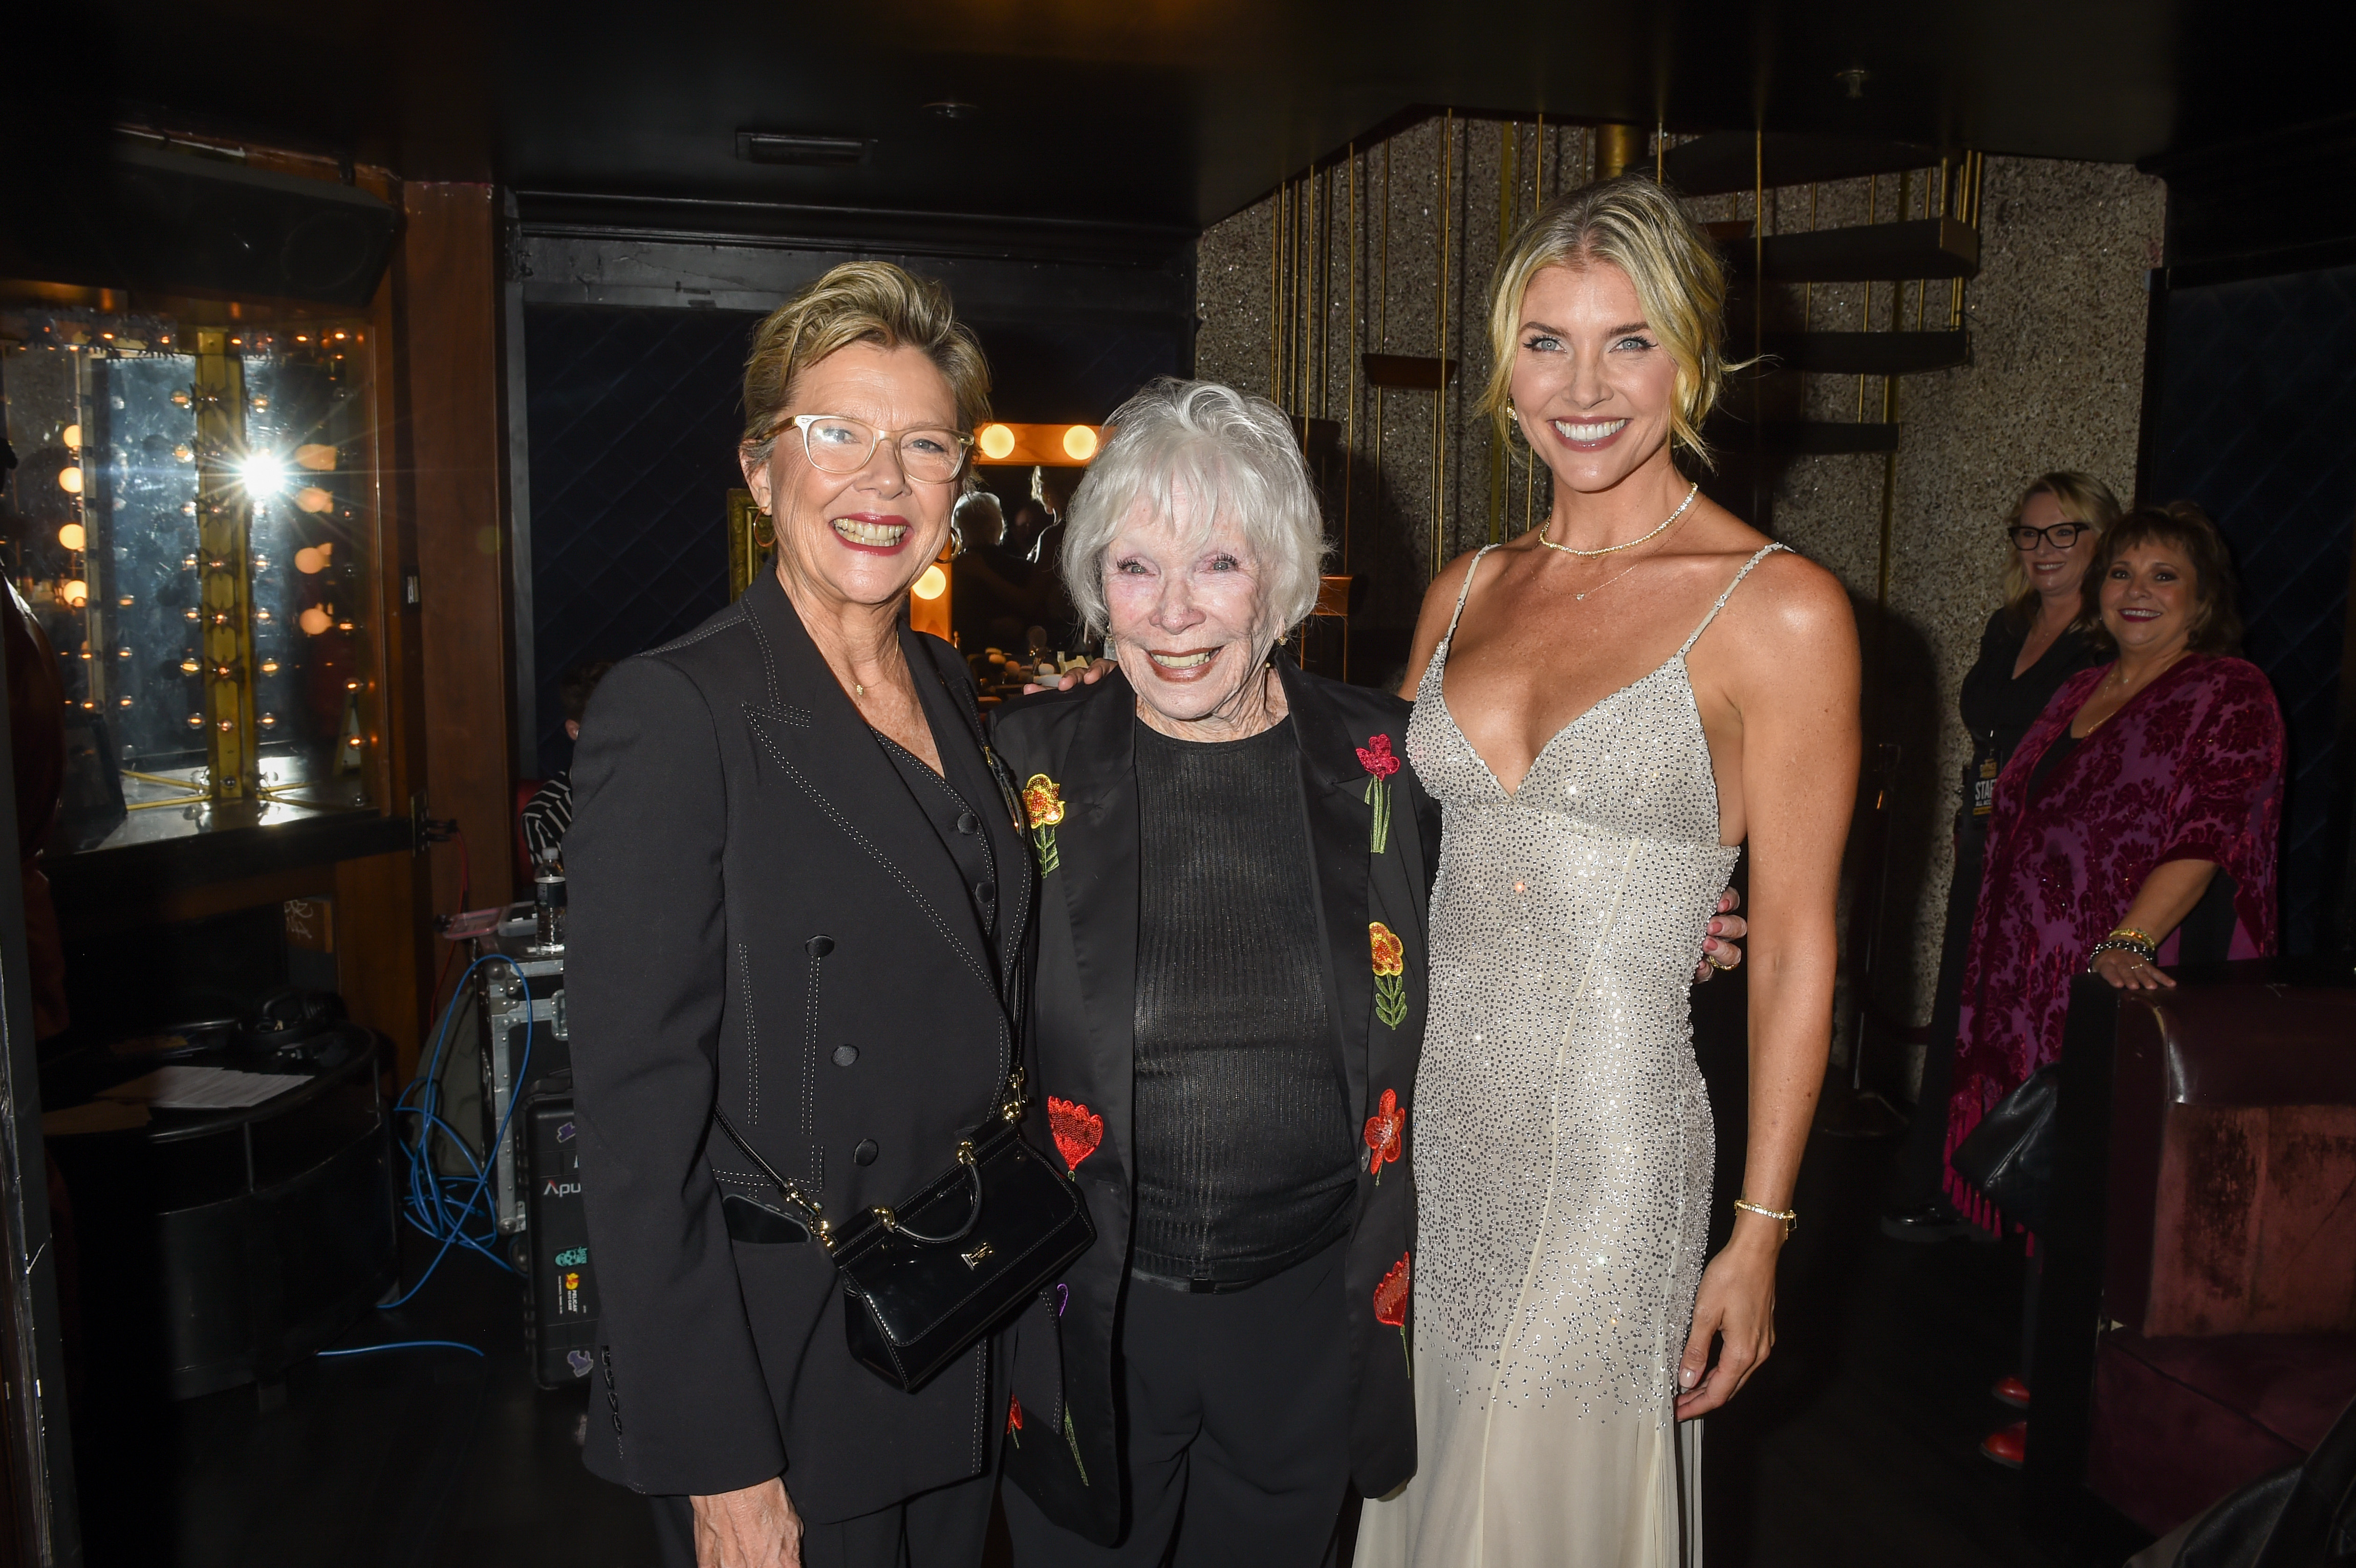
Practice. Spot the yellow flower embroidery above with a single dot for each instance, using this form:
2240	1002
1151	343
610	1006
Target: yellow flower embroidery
1043	803
1390	966
1043	798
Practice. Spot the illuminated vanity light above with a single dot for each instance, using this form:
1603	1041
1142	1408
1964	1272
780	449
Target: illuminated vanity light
343	626
268	721
124	702
220	618
311	498
260	405
995	440
191	614
91	706
123	653
196	720
351	686
124	601
263	476
72	536
188	563
270	666
932	583
316	457
69	481
1079	443
263	616
76	592
313	621
189	667
308	560
72	435
226	725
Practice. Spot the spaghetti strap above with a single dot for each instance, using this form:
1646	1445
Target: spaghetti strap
1440	655
1769	549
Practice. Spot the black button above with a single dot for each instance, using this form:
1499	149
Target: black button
969	822
986	893
820	947
844	1055
865	1153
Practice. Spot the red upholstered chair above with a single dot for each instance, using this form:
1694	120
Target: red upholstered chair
2207	1227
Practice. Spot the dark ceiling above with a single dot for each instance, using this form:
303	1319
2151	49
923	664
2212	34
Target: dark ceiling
1167	115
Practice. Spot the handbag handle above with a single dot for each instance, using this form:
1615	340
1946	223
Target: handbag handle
784	1184
891	1221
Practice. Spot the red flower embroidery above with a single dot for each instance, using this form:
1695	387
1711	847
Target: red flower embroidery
1078	1130
1390	1296
1391	1306
1385	1130
1014	1421
1375	757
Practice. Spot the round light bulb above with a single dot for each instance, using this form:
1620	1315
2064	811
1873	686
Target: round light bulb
72	435
317	458
308	560
76	592
69	481
995	440
315	621
933	584
1079	443
311	498
72	536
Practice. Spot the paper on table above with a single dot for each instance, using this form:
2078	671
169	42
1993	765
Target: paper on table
187	1088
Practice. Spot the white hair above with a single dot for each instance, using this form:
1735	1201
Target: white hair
1234	457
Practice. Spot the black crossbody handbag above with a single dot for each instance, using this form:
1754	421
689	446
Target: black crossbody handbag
2009	1156
923	1281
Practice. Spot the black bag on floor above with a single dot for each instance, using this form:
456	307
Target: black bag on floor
2302	1517
2009	1156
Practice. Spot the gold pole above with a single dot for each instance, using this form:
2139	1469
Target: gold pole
1509	203
1350	389
1616	150
1440	397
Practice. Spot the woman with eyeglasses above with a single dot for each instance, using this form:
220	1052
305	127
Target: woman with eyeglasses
799	902
2033	643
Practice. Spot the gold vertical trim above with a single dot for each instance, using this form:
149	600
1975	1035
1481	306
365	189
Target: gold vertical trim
224	570
1440	397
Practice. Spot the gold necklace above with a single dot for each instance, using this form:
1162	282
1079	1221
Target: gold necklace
1632	544
1608	581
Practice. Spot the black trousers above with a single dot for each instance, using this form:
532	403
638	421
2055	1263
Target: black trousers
940	1529
1237	1430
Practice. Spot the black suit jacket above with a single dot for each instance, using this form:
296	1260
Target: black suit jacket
1073	751
754	887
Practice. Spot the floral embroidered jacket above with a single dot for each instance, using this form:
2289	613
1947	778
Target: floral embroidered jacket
2190	769
1374	838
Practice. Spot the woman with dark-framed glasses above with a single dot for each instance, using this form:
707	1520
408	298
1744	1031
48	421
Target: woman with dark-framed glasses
2033	644
799	907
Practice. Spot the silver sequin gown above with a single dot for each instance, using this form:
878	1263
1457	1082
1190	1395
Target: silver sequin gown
1562	1142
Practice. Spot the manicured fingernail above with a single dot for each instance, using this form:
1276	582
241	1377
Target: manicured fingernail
1686	1377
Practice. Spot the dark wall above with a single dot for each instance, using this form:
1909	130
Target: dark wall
2256	421
634	352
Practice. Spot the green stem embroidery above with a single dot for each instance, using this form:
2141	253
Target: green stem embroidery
1390	999
1044	841
1072	1438
1378	796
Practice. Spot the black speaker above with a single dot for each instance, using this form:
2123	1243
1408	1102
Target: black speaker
561	1300
174	221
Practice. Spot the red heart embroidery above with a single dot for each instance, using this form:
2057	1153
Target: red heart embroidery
1078	1130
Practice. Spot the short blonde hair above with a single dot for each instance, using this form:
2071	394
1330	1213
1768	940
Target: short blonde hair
1638	227
2083	500
1233	456
859	301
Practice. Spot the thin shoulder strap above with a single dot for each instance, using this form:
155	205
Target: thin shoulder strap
1464	593
1766	551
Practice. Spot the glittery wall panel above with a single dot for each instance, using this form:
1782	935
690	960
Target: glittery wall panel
2057	317
2257	423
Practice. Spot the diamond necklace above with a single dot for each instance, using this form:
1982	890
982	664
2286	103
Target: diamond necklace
1632	544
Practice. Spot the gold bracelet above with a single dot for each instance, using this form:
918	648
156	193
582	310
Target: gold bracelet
1791	1217
2130	934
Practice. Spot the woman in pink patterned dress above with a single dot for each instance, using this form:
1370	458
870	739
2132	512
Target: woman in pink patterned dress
2136	827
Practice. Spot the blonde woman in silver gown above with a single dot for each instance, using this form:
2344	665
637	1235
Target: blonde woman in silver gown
1609	709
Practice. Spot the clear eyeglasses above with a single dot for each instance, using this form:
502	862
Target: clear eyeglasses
2061	535
837	444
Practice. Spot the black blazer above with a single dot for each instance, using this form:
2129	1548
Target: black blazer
1073	751
763	917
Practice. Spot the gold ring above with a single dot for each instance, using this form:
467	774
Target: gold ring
1714	964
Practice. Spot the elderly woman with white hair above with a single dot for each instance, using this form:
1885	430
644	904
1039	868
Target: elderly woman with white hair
1229	995
1229	989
